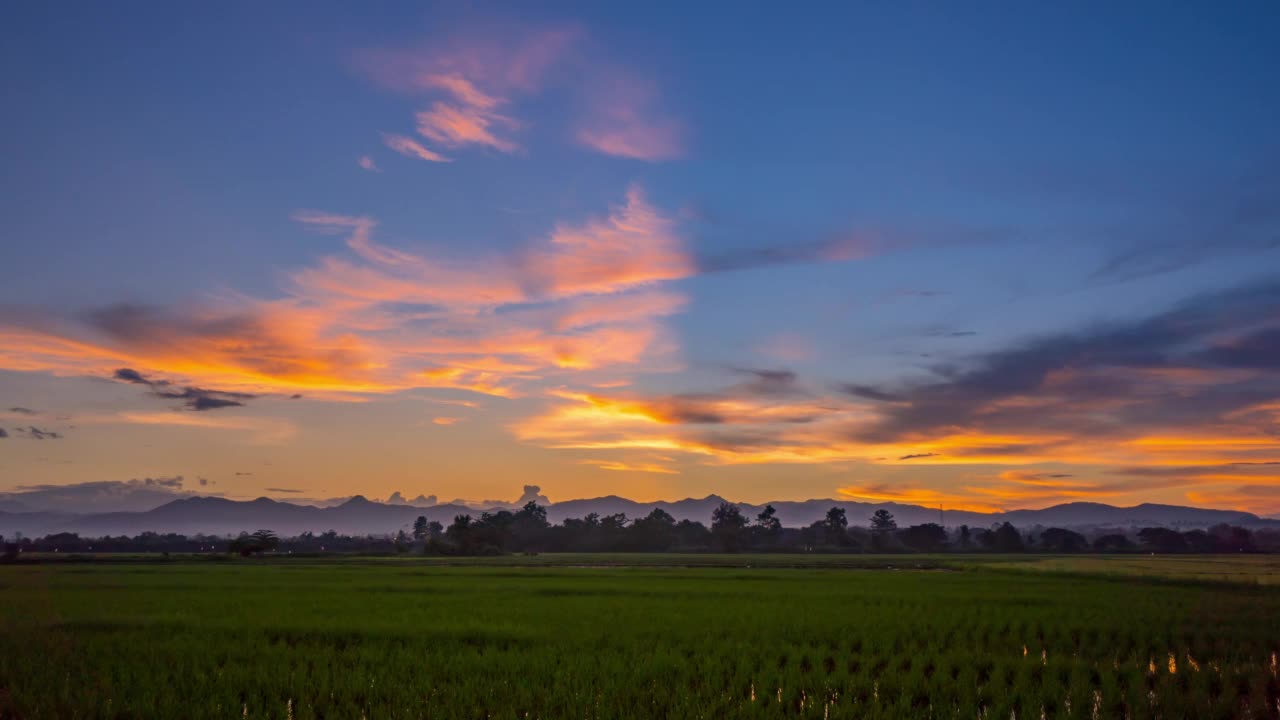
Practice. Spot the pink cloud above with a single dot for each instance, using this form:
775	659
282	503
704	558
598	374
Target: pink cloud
411	148
635	245
459	125
484	68
367	163
624	119
502	58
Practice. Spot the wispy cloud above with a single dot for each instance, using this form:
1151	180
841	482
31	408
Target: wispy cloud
409	147
457	125
624	466
625	120
478	78
261	431
376	319
1185	398
367	163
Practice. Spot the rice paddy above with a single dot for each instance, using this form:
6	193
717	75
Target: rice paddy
564	637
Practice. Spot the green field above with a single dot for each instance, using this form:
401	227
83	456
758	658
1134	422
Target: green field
666	636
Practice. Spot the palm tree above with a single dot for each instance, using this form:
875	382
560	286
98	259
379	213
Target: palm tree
255	544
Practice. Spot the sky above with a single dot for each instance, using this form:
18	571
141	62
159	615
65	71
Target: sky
979	255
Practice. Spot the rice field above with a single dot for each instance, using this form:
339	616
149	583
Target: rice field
566	638
1260	569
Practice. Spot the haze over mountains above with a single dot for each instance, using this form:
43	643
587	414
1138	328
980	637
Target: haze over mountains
97	509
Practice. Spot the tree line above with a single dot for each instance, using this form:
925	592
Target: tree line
527	530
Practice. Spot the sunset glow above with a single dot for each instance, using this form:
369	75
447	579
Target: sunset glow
461	256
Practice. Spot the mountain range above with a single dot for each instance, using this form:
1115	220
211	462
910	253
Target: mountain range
360	516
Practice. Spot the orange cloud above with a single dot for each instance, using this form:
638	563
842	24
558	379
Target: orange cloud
915	496
1249	498
444	420
262	431
381	320
634	246
623	466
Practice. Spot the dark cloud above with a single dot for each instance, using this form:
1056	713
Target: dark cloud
690	409
1085	366
100	496
238	473
951	333
1259	350
1234	216
212	403
23	411
861	242
783	254
918	455
36	433
4	433
869	393
282	490
768	382
130	375
203	481
194	398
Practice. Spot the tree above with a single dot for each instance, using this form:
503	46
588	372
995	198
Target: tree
835	526
534	514
929	537
1199	541
882	528
691	534
529	526
459	533
1231	538
1112	543
882	522
767	522
1063	540
653	532
1006	538
255	544
1162	540
727	525
965	539
420	528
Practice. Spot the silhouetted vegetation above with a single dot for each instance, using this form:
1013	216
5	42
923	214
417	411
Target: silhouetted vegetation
527	530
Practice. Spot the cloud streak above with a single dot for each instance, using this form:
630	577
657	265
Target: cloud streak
411	148
479	78
586	297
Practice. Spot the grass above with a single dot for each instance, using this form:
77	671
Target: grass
555	637
1259	569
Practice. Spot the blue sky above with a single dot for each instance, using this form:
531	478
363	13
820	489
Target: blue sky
887	197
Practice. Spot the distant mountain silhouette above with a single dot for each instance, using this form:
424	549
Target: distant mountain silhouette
361	516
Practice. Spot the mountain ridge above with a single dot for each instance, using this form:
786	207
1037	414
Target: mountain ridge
359	515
